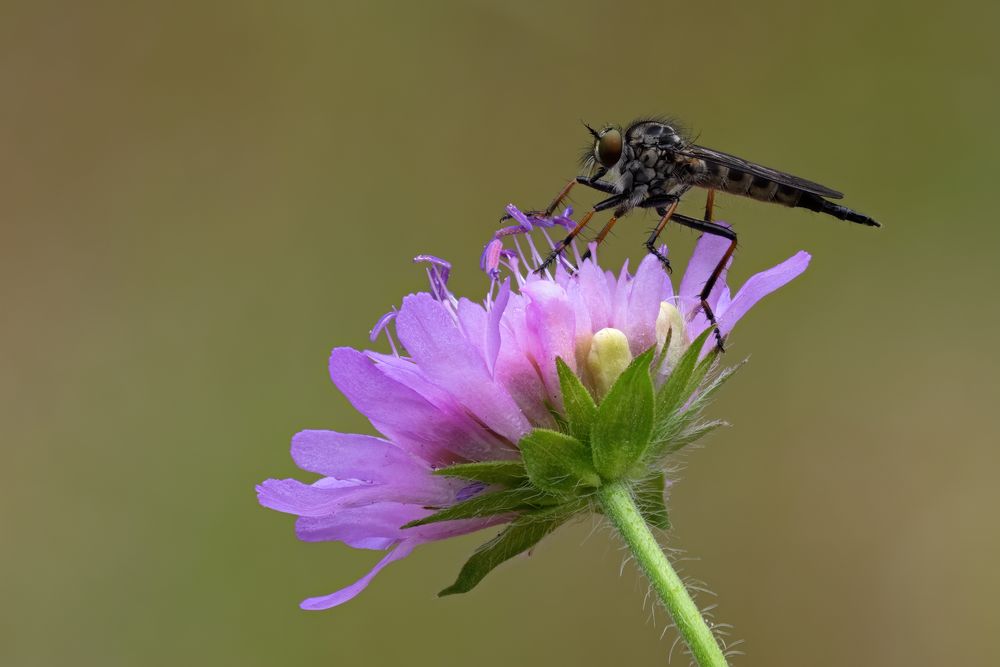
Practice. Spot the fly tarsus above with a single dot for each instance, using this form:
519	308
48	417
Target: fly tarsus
652	250
712	322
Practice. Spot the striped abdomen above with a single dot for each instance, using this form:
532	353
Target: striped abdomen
755	186
745	184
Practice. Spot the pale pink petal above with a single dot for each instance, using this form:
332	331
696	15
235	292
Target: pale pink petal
644	305
759	286
434	341
344	594
551	322
493	326
354	456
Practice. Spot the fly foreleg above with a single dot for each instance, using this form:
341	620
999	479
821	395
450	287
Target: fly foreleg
591	182
610	202
553	205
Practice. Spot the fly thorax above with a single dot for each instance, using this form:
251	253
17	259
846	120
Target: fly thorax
643	166
622	175
690	169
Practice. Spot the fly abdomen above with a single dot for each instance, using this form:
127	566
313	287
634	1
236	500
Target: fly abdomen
745	184
820	205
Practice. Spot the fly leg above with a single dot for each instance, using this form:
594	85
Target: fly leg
607	188
600	236
604	232
591	182
708	227
665	206
610	202
596	184
709	205
553	205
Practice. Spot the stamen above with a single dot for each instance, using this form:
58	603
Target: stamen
563	262
514	266
490	259
535	255
436	261
438	274
520	217
382	325
548	238
520	252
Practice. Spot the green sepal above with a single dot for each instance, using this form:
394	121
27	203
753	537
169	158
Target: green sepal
508	473
562	424
650	501
683	378
557	462
691	433
521	535
487	504
706	392
577	402
680	428
624	423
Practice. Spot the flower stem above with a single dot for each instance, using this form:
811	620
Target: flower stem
620	508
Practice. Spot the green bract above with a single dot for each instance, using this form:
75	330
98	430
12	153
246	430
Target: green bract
623	425
558	463
621	439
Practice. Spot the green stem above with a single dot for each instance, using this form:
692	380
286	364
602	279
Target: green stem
620	508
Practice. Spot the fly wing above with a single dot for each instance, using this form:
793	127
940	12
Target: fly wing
733	162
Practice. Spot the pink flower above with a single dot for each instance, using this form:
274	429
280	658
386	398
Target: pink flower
467	380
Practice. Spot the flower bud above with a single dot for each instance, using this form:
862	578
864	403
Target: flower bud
609	355
670	321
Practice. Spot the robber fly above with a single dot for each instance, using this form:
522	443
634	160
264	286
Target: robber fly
650	164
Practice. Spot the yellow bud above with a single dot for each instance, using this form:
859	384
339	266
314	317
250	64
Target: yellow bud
670	319
609	355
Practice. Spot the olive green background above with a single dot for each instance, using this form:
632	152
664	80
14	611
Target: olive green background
199	200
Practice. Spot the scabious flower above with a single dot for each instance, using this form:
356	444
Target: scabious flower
515	409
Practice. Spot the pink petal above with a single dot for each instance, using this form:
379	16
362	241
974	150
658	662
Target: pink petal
353	456
318	499
493	326
619	298
344	594
595	295
375	526
465	436
434	341
380	525
398	411
552	325
759	286
472	319
644	304
515	369
707	253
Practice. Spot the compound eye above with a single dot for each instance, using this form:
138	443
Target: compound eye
609	148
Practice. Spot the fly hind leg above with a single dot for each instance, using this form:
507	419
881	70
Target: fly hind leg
708	227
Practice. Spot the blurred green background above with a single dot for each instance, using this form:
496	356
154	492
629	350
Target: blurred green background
199	200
